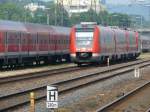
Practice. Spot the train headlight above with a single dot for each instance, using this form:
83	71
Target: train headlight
73	55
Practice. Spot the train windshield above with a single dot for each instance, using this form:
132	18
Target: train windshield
84	38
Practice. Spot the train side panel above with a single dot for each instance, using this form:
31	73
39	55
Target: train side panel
107	41
121	42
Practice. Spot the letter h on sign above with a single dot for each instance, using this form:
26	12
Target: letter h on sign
52	94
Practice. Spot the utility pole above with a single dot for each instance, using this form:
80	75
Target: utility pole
56	6
47	19
95	5
47	14
91	4
62	7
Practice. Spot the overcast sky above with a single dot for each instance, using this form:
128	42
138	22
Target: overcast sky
126	1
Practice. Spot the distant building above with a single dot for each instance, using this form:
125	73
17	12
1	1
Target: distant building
78	6
34	6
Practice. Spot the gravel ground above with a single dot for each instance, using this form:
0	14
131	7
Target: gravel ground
96	95
144	55
47	80
140	102
32	70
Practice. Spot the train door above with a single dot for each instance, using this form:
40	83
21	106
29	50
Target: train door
56	43
114	38
51	44
2	44
32	40
46	38
127	41
24	43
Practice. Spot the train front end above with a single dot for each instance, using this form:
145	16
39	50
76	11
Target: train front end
84	45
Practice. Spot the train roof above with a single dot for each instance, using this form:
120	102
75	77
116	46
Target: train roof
11	26
34	28
31	27
60	29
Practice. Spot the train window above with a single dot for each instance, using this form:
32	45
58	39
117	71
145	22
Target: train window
24	40
9	40
17	41
64	42
45	42
84	29
31	41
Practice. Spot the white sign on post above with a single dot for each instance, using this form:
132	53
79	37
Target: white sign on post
52	97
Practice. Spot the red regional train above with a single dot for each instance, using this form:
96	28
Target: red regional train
22	43
90	43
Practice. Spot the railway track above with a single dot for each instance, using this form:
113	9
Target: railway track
148	110
131	101
37	74
34	75
14	100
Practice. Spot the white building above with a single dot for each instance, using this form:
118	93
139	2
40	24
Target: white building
78	6
34	6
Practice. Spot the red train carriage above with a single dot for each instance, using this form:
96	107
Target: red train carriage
26	42
145	43
93	43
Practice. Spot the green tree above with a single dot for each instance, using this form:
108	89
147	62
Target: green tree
39	16
57	15
11	11
104	18
121	20
90	16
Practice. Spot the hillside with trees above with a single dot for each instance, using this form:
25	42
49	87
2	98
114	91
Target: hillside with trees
57	15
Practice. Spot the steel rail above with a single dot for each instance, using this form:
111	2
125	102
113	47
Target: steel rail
27	76
148	110
63	86
37	74
121	99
